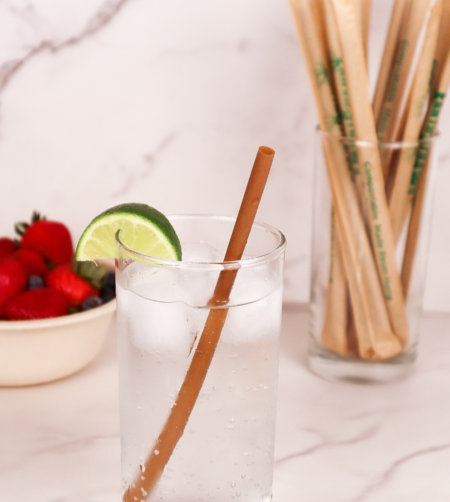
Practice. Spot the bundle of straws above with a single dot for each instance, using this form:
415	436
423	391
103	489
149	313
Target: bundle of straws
377	196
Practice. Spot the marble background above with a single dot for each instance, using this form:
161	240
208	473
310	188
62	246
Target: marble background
166	102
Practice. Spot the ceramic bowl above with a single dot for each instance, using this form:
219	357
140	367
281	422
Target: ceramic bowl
43	350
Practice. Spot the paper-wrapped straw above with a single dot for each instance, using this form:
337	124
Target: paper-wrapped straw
400	200
420	177
390	117
332	336
380	226
364	13
376	339
399	12
334	331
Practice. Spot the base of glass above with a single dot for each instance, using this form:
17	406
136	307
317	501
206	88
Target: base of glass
333	367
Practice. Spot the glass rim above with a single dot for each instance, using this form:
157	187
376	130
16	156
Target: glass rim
394	145
221	265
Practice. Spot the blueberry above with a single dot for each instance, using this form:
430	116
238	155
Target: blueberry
107	294
34	281
110	280
91	303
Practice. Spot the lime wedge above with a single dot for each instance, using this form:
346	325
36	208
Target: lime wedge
142	229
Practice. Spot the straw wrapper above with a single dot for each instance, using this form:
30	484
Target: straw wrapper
380	226
396	95
398	15
400	200
419	178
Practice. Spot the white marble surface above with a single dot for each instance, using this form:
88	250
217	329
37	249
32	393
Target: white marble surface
335	442
166	102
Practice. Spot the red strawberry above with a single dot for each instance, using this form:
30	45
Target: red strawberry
50	239
71	285
7	247
13	279
38	303
32	262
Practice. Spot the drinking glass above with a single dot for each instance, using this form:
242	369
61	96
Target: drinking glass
226	450
335	348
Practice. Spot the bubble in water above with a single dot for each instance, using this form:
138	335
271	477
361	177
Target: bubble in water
230	427
156	452
232	484
243	476
142	467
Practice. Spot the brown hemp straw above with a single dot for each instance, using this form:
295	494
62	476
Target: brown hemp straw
145	482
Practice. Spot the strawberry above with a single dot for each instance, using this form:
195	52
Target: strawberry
70	284
50	239
38	303
13	280
7	247
32	262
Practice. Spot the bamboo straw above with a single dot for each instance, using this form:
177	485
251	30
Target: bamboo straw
420	177
376	339
145	482
399	12
380	227
400	201
389	121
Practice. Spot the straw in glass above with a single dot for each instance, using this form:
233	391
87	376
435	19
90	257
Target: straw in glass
144	483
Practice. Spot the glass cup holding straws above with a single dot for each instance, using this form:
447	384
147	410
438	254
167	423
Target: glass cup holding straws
353	335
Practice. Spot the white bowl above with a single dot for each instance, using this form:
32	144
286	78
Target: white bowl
43	350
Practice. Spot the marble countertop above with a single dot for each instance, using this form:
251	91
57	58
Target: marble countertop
335	442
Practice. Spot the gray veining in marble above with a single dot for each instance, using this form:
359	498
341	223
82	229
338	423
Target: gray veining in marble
166	102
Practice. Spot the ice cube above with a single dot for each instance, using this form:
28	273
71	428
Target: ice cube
254	321
196	287
196	284
158	327
253	283
200	252
154	282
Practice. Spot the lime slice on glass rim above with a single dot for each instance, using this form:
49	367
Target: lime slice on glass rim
143	229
